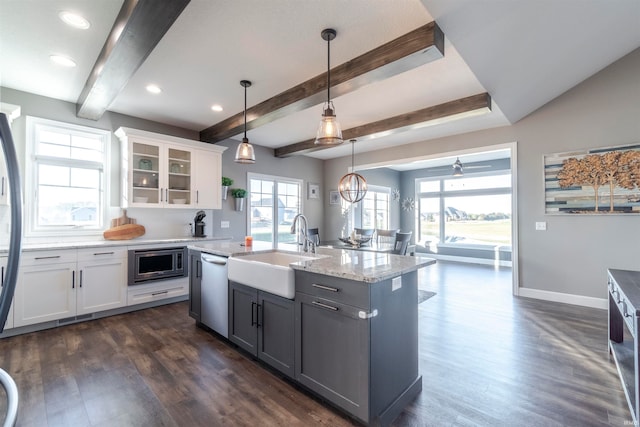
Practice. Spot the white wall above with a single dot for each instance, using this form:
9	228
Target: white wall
572	256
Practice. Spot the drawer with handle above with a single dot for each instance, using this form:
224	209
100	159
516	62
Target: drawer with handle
102	254
333	288
47	257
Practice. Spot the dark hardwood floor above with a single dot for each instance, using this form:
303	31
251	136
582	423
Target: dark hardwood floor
487	359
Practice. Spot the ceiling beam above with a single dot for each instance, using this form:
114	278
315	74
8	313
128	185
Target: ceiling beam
419	47
452	110
137	30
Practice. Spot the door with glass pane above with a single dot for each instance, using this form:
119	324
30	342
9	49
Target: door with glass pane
179	177
145	174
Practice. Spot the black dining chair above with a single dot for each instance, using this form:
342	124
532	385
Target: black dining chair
386	236
314	235
364	233
402	243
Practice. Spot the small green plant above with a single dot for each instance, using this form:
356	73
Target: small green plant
239	193
226	182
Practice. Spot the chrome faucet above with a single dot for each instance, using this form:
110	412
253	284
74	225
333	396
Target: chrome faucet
306	242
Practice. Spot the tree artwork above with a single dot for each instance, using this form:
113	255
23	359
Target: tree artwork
613	169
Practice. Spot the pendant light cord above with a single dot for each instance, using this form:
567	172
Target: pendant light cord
328	70
245	112
353	164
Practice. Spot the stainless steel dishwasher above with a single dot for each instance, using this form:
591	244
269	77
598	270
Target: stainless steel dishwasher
214	288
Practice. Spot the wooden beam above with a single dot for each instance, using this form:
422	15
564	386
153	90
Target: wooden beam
414	120
137	30
419	47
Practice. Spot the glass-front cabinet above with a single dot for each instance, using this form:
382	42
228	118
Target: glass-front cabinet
164	174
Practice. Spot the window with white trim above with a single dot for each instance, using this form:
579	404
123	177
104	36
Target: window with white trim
274	202
375	208
67	177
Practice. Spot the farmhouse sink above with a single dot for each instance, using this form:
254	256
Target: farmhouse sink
267	271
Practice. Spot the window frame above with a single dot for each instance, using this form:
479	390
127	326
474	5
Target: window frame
443	194
376	189
34	125
277	180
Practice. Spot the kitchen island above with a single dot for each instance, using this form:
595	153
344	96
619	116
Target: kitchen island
350	335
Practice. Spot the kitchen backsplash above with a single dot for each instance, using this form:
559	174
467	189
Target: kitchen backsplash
158	223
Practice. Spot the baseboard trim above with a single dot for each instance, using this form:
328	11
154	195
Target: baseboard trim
592	302
469	260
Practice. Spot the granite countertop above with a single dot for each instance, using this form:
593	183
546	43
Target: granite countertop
368	267
106	243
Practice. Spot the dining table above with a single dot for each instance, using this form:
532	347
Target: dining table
371	246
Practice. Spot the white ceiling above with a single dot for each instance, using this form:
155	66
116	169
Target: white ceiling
524	53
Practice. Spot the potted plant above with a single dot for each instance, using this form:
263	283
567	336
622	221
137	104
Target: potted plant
226	183
239	194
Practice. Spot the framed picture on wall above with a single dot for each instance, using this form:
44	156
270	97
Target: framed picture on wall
313	191
334	197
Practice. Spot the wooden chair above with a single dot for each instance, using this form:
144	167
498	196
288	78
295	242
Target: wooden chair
314	235
402	243
386	236
366	232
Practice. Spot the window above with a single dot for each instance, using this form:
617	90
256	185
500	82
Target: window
375	208
274	202
66	174
469	210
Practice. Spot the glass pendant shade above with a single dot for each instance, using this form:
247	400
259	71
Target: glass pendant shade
329	132
245	153
352	187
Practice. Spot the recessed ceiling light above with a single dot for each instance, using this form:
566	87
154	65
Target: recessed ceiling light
217	108
63	60
153	89
74	20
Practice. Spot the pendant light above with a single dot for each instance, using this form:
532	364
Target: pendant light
352	186
329	132
245	153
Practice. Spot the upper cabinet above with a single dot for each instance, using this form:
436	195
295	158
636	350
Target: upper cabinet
165	171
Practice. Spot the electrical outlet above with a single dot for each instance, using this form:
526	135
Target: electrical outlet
224	224
541	226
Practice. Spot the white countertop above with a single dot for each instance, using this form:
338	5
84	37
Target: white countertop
368	267
107	243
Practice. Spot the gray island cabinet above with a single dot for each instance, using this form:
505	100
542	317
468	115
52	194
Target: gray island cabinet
357	343
262	324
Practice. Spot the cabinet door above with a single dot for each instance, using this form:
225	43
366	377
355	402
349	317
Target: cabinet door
3	270
102	285
145	181
206	192
276	317
332	352
195	285
179	179
45	293
243	308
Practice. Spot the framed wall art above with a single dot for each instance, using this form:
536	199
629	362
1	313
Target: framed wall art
597	181
313	191
334	197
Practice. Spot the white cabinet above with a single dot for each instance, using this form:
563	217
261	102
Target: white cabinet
102	281
55	285
3	271
154	291
161	171
46	287
206	178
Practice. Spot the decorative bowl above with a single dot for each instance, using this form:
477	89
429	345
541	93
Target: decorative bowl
141	199
179	201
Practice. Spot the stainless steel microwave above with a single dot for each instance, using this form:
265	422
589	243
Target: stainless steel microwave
147	265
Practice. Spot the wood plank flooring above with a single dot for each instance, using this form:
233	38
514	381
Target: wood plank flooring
487	359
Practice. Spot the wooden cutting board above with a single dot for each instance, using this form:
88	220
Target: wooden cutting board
124	219
124	232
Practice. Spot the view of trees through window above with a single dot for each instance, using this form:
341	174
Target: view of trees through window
470	210
375	209
274	202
